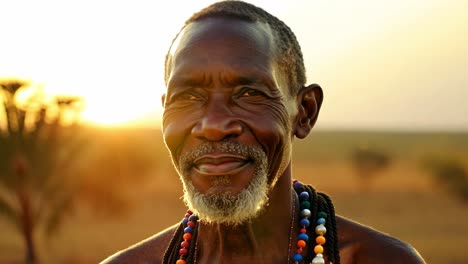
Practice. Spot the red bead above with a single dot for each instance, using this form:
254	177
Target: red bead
187	215
185	244
181	261
187	236
189	211
303	230
183	251
191	224
299	251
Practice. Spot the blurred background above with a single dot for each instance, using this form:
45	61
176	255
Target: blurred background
83	168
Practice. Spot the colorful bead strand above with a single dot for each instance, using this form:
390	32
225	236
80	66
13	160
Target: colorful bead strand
304	222
189	222
320	231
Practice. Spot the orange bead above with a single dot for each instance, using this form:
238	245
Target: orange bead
320	240
301	243
180	261
318	249
187	236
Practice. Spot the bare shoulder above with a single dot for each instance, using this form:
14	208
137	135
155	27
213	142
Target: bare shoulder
362	244
148	251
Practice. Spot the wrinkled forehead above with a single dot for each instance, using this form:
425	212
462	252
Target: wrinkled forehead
212	34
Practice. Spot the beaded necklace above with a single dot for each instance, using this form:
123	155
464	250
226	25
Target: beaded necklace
291	229
304	223
190	221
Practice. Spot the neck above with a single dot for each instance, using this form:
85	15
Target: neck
248	242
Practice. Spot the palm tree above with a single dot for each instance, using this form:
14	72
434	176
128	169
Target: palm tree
35	150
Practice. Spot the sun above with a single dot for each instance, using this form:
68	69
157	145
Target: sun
120	107
107	116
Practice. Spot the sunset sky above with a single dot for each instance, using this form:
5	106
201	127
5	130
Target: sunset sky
382	64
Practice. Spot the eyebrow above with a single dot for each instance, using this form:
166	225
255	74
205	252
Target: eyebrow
228	79
190	80
245	79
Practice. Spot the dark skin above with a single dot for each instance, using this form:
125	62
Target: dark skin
224	84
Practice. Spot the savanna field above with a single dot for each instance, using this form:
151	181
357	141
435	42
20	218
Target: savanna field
412	185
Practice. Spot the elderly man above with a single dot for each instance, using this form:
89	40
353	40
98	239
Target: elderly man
236	98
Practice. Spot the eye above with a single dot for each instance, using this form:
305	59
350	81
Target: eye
187	96
250	92
184	98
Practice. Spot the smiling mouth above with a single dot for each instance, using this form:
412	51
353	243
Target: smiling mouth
220	164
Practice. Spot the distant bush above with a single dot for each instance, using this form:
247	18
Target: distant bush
367	162
450	173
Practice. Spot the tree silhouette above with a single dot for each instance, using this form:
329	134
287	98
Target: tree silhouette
37	153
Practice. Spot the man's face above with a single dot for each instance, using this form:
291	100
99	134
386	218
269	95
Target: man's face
227	118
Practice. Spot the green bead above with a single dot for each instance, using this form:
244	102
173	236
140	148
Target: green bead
305	205
322	215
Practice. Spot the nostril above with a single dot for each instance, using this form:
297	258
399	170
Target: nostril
217	129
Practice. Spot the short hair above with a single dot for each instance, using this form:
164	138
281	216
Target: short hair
289	56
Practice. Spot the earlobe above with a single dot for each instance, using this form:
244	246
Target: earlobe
309	102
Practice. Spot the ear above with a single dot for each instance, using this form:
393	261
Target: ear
309	101
163	100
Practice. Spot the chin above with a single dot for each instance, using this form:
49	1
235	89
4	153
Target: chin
222	205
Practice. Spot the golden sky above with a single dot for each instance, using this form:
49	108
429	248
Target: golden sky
382	64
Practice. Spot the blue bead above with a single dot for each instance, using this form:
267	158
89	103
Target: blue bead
188	229
193	218
304	196
297	257
304	222
303	236
321	221
298	185
184	221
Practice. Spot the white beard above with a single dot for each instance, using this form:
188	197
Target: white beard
225	207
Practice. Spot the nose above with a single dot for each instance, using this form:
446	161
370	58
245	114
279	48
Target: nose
217	123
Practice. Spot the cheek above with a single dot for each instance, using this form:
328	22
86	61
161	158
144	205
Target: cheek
272	129
175	128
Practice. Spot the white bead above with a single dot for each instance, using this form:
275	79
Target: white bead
318	259
320	230
305	213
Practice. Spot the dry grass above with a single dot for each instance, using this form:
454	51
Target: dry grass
402	202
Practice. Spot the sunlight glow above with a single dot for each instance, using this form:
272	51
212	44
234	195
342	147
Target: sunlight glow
112	53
